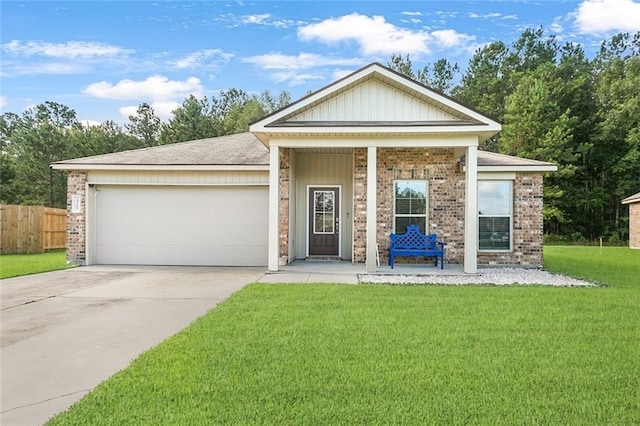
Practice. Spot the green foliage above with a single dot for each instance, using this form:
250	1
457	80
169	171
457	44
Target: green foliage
50	132
558	106
382	354
144	126
15	265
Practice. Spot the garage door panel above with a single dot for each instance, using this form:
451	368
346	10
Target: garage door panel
181	225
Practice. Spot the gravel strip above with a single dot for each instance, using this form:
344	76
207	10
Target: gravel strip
495	276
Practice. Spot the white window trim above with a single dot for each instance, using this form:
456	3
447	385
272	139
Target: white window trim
510	215
426	213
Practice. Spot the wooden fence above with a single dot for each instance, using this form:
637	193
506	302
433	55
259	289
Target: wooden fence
31	229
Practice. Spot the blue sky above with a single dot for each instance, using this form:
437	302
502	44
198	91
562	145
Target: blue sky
104	58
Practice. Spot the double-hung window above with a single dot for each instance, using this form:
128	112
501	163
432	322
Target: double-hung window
495	201
410	205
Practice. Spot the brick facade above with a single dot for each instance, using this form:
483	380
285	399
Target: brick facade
440	168
76	222
634	225
527	225
446	181
284	204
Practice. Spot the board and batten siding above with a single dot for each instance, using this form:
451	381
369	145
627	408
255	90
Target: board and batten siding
178	177
322	170
373	101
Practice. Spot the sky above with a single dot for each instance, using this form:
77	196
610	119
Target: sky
104	58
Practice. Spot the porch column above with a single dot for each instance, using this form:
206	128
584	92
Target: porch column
370	265
274	208
471	212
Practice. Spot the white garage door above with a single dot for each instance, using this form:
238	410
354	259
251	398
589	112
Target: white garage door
180	225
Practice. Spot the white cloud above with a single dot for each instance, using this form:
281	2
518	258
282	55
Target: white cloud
255	19
601	16
90	123
3	101
279	61
200	58
267	19
71	49
293	78
411	13
451	38
491	15
375	35
154	88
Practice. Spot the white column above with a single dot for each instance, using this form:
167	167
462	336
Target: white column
471	212
274	208
370	265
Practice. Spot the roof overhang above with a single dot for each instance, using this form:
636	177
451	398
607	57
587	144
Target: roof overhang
161	167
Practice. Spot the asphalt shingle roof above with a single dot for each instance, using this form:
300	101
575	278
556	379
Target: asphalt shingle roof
243	149
238	149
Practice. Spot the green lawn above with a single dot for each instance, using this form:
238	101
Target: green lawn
380	354
14	265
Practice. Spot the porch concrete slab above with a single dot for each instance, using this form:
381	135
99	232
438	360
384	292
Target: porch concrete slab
65	332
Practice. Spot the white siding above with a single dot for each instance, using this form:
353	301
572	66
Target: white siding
178	178
373	101
322	169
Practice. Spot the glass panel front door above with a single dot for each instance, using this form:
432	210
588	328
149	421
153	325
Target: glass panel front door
324	221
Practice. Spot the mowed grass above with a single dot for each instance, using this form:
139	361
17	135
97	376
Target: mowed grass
382	354
619	266
15	265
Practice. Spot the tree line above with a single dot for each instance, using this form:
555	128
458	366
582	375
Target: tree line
557	105
51	132
554	102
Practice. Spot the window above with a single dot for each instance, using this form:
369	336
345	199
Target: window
410	205
494	215
323	212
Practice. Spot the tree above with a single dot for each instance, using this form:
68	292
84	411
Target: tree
40	137
440	76
144	126
192	120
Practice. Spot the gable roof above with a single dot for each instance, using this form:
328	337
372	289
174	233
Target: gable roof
375	100
240	151
635	198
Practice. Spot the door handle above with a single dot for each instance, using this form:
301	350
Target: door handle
337	225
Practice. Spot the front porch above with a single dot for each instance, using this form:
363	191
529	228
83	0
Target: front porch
346	272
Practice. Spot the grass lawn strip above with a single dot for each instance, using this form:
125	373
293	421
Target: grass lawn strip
318	354
15	265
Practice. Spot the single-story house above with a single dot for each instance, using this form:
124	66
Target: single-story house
330	176
634	220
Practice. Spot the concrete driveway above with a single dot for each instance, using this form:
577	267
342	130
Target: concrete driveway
65	332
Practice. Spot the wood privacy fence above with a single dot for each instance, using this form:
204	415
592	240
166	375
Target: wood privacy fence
31	229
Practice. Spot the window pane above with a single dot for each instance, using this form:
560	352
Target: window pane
494	233
419	206
494	198
403	206
403	222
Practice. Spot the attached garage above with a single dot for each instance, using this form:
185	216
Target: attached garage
181	225
203	202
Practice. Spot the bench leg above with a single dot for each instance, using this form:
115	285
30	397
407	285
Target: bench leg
441	262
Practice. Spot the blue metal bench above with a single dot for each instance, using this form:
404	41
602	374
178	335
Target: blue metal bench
414	243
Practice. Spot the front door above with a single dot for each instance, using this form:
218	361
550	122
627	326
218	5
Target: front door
324	221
